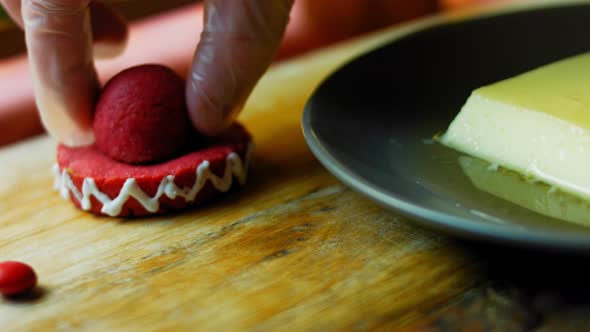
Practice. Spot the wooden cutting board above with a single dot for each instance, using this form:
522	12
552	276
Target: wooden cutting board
295	249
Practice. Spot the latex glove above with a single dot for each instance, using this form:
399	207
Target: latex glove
237	45
59	38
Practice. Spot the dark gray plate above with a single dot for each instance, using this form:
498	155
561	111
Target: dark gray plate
370	122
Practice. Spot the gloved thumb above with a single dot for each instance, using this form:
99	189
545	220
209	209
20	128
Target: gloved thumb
237	45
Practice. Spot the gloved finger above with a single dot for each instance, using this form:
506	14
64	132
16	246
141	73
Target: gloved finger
59	43
237	45
109	29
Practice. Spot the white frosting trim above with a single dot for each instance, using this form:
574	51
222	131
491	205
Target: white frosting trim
112	207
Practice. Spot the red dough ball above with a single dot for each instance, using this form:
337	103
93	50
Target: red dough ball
141	116
16	278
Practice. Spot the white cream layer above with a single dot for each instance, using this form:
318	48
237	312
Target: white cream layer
234	166
528	142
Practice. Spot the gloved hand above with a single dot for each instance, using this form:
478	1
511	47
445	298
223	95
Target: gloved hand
237	45
59	35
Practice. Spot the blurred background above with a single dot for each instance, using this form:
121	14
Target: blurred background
12	39
332	20
167	32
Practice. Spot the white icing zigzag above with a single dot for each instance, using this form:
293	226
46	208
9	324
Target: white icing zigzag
112	207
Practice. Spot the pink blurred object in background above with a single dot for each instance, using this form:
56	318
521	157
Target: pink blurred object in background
171	38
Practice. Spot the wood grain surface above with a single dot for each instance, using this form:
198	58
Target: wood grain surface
294	250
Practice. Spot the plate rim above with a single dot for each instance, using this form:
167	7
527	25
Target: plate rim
430	218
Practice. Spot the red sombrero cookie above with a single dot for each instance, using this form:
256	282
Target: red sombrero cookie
134	171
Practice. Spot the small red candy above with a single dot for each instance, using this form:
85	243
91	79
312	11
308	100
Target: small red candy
16	278
141	116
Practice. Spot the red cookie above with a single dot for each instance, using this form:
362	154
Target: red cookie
141	116
94	182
